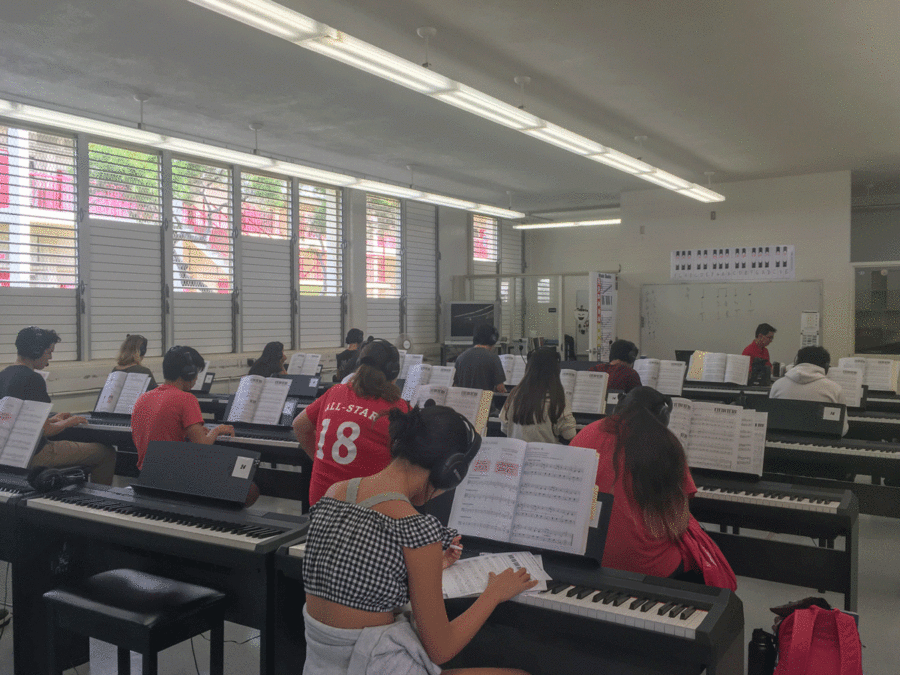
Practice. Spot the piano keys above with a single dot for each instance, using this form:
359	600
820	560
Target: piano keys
13	487
855	456
818	513
721	392
873	426
75	532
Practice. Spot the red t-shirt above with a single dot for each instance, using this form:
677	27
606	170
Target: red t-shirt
754	351
629	544
163	414
349	442
621	376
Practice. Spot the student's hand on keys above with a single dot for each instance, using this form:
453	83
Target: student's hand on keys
74	420
224	430
509	583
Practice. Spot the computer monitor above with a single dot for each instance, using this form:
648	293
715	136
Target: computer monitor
461	319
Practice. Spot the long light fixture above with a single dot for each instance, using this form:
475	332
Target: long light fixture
271	17
126	134
574	223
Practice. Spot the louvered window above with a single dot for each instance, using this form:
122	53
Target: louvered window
420	269
202	232
265	206
543	291
383	247
124	185
38	237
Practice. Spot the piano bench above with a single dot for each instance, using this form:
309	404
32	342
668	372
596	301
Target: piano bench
137	612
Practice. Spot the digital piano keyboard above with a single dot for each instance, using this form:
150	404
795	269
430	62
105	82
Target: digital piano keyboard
855	456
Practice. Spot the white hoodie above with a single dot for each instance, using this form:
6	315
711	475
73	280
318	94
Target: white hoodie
806	382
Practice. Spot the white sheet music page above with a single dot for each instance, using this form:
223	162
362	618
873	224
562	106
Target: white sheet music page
751	444
567	377
590	392
295	365
442	375
714	365
506	360
417	376
880	375
201	377
271	400
485	502
737	369
27	428
715	434
680	419
556	496
466	401
851	381
9	408
648	370
470	576
311	364
518	370
408	362
109	395
135	385
246	398
670	379
433	391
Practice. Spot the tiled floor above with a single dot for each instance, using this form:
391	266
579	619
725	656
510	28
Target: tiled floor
879	608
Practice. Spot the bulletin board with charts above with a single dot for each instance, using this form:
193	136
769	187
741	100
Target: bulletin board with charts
736	263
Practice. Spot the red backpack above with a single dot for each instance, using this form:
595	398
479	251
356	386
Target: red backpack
816	641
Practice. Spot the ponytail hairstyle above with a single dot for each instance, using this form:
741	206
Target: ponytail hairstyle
427	436
377	359
541	380
653	461
132	350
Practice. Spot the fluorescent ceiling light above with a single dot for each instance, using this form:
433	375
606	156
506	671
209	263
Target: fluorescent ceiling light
266	16
497	212
565	139
576	223
702	194
440	200
362	55
218	153
665	179
478	103
622	162
387	189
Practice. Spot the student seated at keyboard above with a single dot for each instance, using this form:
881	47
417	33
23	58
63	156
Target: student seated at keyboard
271	362
622	375
171	412
370	552
347	360
808	380
34	347
352	438
131	353
643	465
536	410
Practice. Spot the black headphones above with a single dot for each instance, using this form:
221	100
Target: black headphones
40	341
48	480
143	347
450	473
389	363
661	410
187	371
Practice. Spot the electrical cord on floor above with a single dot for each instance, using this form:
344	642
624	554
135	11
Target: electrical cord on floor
194	653
234	642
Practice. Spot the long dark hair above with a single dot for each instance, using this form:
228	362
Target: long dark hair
541	380
270	361
653	461
370	380
427	436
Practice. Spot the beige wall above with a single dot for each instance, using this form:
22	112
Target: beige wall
812	212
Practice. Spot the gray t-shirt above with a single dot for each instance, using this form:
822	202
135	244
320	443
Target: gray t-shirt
478	368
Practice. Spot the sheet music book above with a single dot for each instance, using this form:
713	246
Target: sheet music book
585	390
667	377
719	436
407	362
878	374
121	391
851	381
514	367
201	377
528	494
21	426
473	404
422	374
718	367
469	576
259	400
303	364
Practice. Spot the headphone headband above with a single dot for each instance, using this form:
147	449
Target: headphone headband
451	472
389	365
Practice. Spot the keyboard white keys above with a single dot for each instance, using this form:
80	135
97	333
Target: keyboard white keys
252	440
106	427
622	613
6	495
150	524
784	501
894	421
845	450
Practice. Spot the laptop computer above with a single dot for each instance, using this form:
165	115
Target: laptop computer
209	473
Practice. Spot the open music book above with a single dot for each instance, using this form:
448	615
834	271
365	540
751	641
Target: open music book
422	374
303	364
585	390
851	381
21	425
718	367
121	391
878	374
514	367
473	404
259	400
529	494
201	377
667	377
408	361
719	436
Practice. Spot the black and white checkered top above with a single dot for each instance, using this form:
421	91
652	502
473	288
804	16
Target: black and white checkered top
354	555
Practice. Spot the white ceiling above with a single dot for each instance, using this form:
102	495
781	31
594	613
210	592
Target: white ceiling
745	89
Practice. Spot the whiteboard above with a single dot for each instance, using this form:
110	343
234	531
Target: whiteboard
722	317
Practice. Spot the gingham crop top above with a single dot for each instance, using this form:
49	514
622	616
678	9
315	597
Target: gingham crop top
354	555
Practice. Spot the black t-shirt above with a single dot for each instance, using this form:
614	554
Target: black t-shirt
346	363
22	382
